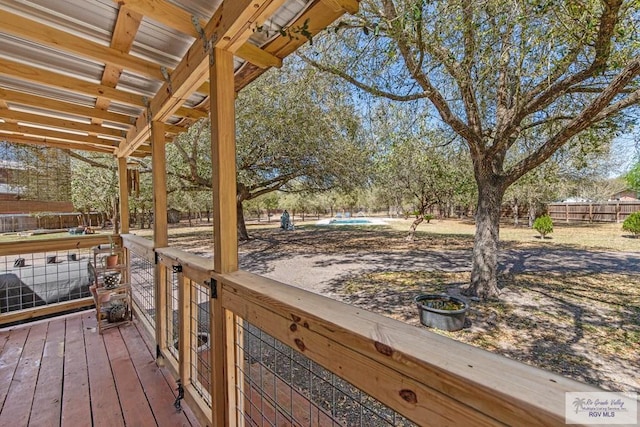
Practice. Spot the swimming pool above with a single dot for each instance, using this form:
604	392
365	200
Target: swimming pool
351	221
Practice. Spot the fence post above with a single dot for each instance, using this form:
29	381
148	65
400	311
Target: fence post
617	213
566	212
590	213
185	296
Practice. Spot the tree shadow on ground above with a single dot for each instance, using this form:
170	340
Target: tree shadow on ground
561	323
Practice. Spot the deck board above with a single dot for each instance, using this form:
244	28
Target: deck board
161	398
135	408
62	372
9	358
17	405
47	399
76	403
106	408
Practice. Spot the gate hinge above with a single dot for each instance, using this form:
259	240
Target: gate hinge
213	286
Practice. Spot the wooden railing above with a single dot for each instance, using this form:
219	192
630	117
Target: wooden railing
46	263
278	354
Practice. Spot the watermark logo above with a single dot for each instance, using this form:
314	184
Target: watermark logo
601	408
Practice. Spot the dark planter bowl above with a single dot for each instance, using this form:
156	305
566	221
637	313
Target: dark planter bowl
447	320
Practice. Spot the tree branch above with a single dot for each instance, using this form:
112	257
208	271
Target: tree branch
370	89
544	93
608	21
597	110
473	140
87	160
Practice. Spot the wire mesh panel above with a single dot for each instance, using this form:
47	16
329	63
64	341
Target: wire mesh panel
142	285
172	320
281	386
200	340
37	279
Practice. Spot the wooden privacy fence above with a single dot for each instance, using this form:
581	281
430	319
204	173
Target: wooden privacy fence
616	211
253	351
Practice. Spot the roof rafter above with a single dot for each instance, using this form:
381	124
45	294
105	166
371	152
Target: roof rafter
50	78
180	20
229	28
57	39
59	123
21	98
50	133
27	140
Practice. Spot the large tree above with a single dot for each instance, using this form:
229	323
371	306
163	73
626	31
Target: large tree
496	73
295	132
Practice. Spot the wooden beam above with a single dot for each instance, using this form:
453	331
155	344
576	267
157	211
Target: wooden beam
46	310
160	232
180	20
191	113
164	12
59	81
28	140
258	57
21	98
123	189
41	141
59	135
349	6
223	163
159	178
319	16
59	123
231	23
40	33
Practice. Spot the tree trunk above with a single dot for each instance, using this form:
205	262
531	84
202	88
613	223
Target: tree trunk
243	235
484	283
532	213
412	230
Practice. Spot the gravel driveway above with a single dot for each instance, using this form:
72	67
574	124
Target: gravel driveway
315	272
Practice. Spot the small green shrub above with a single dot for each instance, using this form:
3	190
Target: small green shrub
428	217
632	224
543	225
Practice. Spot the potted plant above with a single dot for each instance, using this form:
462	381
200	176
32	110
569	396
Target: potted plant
441	311
111	260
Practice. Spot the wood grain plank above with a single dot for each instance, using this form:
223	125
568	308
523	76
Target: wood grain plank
104	398
147	337
158	391
14	340
47	402
17	406
135	408
76	405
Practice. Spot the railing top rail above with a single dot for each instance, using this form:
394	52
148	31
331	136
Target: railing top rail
137	240
54	244
504	389
195	267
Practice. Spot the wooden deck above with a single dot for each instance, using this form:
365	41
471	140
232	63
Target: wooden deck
62	372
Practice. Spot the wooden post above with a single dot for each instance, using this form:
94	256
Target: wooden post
566	209
160	234
617	212
225	225
184	335
590	213
124	195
